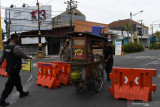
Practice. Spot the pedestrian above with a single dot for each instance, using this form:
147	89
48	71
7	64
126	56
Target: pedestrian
108	58
65	52
13	55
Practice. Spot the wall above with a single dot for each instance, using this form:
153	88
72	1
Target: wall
32	49
82	26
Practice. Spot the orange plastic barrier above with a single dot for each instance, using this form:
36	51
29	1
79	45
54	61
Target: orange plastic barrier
52	78
41	75
64	74
132	83
3	69
61	66
47	75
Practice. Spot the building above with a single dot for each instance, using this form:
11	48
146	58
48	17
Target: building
55	37
64	18
139	32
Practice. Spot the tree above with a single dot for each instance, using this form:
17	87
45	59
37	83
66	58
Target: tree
3	34
127	29
157	35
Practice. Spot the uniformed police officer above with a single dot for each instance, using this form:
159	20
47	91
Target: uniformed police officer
65	52
108	57
13	54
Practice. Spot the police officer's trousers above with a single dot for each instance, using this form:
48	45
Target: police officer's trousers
13	80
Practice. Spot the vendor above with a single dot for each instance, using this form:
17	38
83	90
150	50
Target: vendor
108	58
65	52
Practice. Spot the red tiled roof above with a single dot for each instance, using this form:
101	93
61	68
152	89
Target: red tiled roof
122	23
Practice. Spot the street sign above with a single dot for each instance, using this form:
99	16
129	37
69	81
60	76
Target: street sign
118	47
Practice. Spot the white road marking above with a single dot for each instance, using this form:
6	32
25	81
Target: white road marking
34	64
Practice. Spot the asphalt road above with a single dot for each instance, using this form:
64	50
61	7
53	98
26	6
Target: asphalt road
65	96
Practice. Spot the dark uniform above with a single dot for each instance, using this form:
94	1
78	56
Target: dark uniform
109	64
13	54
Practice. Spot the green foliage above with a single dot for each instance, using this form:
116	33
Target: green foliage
3	34
133	47
157	34
127	29
154	46
130	48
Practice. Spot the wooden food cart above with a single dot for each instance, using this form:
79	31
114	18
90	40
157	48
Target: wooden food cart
87	65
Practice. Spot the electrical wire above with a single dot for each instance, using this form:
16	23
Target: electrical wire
33	2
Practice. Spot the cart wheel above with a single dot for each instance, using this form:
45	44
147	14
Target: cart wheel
98	80
76	85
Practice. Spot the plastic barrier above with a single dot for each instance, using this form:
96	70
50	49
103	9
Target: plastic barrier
47	75
61	66
3	69
41	77
68	75
54	77
132	83
65	70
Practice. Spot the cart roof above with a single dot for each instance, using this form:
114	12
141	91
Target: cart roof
81	34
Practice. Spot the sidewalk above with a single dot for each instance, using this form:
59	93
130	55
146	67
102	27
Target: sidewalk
47	56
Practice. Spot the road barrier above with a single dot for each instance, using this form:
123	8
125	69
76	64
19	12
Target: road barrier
132	83
3	69
47	75
53	74
65	70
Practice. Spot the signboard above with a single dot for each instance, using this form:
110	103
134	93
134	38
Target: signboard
118	47
109	37
32	40
26	65
78	52
26	18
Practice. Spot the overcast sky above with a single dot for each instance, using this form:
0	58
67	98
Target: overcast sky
101	11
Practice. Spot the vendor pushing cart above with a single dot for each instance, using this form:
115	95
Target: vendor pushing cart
87	60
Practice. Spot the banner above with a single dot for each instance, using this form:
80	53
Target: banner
26	65
118	47
26	18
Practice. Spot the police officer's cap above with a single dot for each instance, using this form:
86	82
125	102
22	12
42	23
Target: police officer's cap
13	36
66	40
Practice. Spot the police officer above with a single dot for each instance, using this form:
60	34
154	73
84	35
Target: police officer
13	54
65	52
108	58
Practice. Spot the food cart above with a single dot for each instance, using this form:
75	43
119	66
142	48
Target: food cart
87	65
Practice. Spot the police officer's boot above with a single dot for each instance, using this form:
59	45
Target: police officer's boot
3	102
23	94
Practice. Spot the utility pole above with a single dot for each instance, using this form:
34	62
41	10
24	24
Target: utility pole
8	36
153	25
40	54
1	45
141	31
8	22
71	5
131	23
131	19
